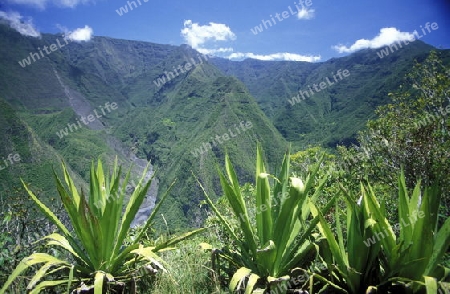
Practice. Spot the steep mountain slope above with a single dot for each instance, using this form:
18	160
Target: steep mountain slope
54	107
270	82
180	136
332	114
166	123
25	156
181	110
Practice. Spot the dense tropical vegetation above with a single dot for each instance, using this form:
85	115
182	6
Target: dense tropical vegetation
369	217
281	239
99	254
165	124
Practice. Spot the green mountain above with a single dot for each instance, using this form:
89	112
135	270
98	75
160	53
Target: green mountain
181	110
22	152
183	126
306	114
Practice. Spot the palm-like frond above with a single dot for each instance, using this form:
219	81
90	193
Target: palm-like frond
281	239
97	243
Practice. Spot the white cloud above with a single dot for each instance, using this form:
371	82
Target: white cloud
387	36
196	35
24	27
80	34
275	56
77	35
41	4
305	13
214	51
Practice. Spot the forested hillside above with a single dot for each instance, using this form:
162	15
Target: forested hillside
332	115
164	150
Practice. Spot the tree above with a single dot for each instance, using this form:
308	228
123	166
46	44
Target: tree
412	132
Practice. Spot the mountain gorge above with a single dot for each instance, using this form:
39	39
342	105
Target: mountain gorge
99	99
332	115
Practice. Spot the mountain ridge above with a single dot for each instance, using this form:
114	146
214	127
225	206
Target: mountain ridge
371	78
166	124
159	124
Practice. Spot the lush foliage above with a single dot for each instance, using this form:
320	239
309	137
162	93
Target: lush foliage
352	267
413	133
22	225
164	124
98	253
189	270
414	256
334	115
409	252
281	240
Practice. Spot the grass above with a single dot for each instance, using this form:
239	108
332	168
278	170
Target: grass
190	271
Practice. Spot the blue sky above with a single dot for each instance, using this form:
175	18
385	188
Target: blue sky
313	30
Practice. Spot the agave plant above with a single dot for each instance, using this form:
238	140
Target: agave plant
97	252
414	256
353	267
282	238
374	258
